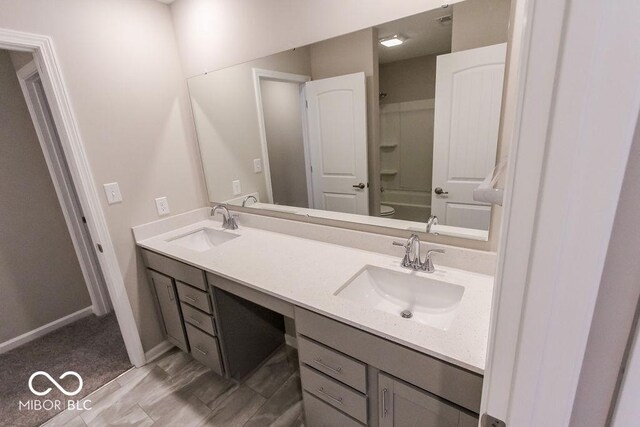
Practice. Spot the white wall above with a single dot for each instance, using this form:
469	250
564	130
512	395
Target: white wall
40	277
214	34
120	63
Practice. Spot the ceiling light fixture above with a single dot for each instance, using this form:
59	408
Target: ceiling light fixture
394	40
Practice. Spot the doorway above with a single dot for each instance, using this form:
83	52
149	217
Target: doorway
56	315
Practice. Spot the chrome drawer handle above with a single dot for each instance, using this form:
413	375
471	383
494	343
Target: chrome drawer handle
192	299
194	320
200	350
338	400
331	368
384	403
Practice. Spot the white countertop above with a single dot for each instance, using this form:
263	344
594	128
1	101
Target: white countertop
307	273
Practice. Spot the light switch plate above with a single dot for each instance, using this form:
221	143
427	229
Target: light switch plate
162	204
237	189
112	191
257	165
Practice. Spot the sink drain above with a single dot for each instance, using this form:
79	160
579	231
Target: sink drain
406	314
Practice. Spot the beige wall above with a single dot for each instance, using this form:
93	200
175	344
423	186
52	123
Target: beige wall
40	277
408	80
285	142
354	53
224	107
213	34
120	63
478	23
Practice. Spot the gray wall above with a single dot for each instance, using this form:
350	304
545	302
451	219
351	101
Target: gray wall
478	23
40	278
409	79
224	107
285	142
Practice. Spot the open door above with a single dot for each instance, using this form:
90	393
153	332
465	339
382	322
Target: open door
467	118
337	123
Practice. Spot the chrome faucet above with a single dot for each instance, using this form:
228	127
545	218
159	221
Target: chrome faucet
228	221
246	199
412	258
433	220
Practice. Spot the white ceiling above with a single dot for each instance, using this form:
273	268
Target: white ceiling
426	36
166	1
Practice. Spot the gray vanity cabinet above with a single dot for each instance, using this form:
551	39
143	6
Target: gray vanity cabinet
351	377
169	309
402	405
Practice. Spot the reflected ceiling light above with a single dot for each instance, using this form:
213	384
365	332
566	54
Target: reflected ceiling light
394	40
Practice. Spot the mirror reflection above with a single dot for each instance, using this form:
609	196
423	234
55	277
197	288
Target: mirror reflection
388	126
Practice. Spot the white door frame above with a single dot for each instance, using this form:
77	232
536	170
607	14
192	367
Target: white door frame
574	104
56	163
73	147
278	76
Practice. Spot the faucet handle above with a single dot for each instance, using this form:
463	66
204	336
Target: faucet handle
439	251
404	245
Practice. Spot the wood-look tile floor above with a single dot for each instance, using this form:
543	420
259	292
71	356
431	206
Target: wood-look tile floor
176	390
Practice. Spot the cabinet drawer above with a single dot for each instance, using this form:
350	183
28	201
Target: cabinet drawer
335	394
319	414
205	349
336	365
194	297
443	379
176	269
198	319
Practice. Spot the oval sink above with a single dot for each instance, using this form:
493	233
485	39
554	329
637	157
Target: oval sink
203	239
412	295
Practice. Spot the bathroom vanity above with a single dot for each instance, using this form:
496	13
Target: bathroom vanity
222	295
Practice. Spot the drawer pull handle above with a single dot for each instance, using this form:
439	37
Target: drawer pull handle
331	368
338	400
194	320
170	293
192	299
384	403
200	350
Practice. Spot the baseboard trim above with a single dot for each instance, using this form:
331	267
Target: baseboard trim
158	351
44	329
291	341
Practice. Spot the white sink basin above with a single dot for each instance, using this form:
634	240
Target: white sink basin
421	298
203	239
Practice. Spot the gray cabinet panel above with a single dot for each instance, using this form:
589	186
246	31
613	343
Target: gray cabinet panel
336	365
443	379
169	309
176	269
205	349
319	414
194	297
402	405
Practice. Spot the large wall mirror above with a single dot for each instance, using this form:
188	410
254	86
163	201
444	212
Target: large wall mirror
385	126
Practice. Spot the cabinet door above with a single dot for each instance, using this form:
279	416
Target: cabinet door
169	309
401	405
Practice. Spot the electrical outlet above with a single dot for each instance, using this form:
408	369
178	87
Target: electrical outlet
237	189
257	165
162	205
112	191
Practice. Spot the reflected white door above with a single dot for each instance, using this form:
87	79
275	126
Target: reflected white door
337	126
467	117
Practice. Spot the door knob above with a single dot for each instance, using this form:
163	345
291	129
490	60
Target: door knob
440	191
360	186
